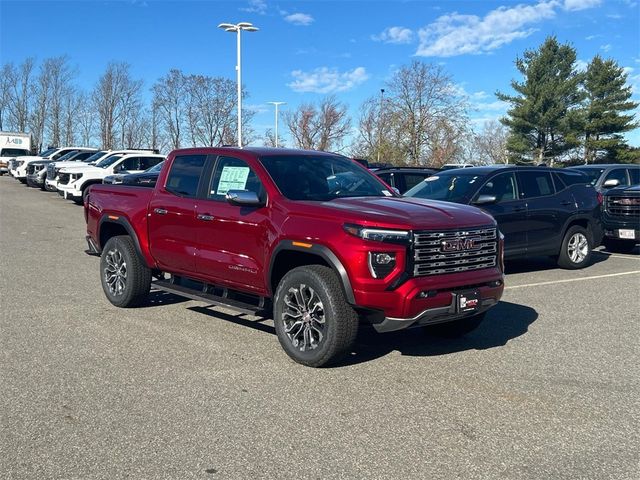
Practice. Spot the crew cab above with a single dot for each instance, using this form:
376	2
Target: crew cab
311	238
404	178
21	163
147	178
610	175
540	211
73	183
621	218
7	154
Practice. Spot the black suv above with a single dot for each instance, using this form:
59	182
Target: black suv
540	211
621	218
404	178
604	177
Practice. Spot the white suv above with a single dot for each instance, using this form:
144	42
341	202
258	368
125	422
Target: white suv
73	182
21	163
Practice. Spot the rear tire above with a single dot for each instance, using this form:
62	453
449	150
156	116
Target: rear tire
575	251
314	323
455	329
619	246
126	280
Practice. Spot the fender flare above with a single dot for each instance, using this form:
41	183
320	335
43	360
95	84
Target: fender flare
323	252
127	226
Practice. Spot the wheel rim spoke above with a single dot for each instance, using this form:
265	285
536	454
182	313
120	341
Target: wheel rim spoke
303	318
115	272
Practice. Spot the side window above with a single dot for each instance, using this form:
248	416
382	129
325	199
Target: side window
535	184
131	163
413	179
634	174
503	187
233	174
83	155
572	178
184	175
148	162
59	154
619	174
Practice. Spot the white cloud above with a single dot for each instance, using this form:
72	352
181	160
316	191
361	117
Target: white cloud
633	80
581	65
327	80
592	37
303	19
574	5
455	34
606	47
614	16
396	35
256	6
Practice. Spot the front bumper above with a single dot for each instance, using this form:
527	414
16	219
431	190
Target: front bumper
51	185
70	192
35	179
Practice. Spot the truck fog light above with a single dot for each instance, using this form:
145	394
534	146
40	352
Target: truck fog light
381	264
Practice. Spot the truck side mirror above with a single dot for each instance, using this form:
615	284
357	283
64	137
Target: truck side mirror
485	199
612	182
243	198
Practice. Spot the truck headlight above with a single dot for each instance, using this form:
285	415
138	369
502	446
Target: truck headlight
381	264
378	234
76	176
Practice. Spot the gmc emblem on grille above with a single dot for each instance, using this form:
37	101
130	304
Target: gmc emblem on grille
460	245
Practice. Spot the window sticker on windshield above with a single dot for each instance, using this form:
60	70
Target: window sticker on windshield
433	178
232	178
387	193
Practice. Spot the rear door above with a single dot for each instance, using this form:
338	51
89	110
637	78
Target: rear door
509	211
232	240
171	215
547	210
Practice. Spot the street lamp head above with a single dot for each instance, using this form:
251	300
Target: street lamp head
244	24
231	29
250	29
226	26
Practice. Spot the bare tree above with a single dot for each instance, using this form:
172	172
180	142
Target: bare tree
168	95
490	145
269	139
60	76
85	119
319	128
22	91
7	80
113	86
40	110
422	96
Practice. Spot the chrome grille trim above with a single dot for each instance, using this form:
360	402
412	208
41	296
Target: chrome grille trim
429	259
617	206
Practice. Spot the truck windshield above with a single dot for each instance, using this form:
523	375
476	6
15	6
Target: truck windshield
95	156
592	173
450	187
13	152
107	162
48	152
321	177
67	156
155	169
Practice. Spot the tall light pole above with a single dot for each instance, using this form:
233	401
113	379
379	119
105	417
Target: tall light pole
277	104
380	124
238	27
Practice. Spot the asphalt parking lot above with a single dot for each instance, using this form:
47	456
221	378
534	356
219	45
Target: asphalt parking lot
548	387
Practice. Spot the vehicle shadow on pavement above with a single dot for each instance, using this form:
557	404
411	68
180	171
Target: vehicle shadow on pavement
238	319
539	264
158	298
502	323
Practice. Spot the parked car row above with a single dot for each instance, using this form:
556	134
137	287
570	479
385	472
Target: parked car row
70	171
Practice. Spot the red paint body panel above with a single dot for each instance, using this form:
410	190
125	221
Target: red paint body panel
235	248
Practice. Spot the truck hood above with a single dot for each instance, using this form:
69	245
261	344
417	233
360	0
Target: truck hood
632	191
85	169
72	164
29	158
400	212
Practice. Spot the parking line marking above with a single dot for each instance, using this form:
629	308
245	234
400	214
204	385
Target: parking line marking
618	255
573	279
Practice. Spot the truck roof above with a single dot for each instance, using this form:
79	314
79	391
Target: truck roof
258	151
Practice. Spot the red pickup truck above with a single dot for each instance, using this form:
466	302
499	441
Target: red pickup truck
313	239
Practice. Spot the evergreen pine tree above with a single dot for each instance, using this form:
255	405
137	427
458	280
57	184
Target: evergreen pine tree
607	98
543	121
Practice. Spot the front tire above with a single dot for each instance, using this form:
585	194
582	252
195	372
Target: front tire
455	329
576	249
126	280
314	323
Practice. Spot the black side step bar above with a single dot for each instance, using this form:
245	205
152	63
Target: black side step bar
194	294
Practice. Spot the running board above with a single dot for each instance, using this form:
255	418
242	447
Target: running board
217	300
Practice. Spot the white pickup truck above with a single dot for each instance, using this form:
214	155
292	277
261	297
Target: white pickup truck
73	182
12	145
20	164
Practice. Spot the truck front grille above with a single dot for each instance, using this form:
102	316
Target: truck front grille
64	178
51	171
452	251
31	169
624	207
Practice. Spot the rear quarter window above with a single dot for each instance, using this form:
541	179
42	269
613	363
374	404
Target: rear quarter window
535	184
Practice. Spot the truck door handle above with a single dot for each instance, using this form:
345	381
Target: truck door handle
566	202
160	211
519	209
205	217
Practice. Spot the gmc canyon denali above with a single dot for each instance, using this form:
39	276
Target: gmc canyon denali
312	238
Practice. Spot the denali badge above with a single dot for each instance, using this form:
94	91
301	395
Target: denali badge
460	245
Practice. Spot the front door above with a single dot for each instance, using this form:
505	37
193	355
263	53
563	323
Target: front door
509	211
172	216
232	240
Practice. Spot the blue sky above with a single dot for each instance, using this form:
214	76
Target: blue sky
307	49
